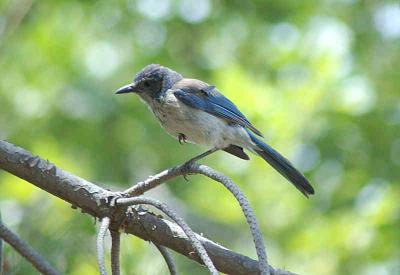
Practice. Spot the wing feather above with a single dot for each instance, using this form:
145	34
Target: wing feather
200	95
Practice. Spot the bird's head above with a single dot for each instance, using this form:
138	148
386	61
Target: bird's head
151	81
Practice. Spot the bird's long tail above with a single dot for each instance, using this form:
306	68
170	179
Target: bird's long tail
282	165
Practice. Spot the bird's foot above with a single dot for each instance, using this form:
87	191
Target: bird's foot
182	138
186	168
112	198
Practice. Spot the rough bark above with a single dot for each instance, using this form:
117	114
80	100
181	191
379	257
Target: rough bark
95	201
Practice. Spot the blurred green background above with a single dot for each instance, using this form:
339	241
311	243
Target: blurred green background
320	79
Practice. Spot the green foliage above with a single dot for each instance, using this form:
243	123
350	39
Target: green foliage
319	78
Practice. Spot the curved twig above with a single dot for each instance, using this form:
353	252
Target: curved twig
246	208
154	181
26	251
92	199
195	168
115	251
105	222
168	259
191	235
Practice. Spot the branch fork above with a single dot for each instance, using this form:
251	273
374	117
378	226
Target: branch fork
115	211
130	197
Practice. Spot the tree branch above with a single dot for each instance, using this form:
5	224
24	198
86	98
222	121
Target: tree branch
195	168
246	208
115	250
105	222
188	231
94	200
154	181
26	251
168	259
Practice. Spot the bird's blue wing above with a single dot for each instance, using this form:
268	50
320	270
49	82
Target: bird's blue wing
198	95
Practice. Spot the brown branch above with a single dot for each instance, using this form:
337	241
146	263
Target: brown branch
195	168
154	181
197	245
246	208
26	251
94	200
168	259
115	251
104	224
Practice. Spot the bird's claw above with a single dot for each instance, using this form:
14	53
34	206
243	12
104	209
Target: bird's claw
112	200
182	138
186	168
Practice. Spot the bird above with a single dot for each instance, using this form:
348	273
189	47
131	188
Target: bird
193	111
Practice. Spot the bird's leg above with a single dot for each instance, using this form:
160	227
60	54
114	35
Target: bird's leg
202	155
182	138
198	157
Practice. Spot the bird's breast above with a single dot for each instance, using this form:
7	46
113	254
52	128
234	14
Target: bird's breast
177	118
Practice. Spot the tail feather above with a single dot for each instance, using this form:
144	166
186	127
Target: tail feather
283	166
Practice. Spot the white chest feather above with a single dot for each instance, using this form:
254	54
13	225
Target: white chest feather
198	126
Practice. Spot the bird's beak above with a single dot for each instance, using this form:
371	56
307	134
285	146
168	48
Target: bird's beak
130	88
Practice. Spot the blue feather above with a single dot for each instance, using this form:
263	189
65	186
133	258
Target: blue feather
210	100
282	165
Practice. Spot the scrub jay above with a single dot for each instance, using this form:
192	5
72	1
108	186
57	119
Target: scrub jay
192	110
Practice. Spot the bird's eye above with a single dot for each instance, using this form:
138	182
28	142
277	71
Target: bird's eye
146	83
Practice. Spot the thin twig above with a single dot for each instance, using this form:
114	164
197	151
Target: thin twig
154	181
188	231
105	222
90	198
195	168
26	251
151	227
246	208
168	259
115	252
